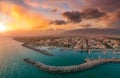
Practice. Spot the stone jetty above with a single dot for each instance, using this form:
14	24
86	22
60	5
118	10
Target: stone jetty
38	50
67	69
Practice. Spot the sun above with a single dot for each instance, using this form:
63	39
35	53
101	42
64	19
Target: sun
2	27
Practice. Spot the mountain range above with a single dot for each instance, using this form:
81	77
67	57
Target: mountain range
91	31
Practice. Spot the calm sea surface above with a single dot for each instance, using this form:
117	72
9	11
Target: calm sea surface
13	66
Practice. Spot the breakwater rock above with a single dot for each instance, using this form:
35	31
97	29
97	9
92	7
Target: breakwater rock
67	69
38	50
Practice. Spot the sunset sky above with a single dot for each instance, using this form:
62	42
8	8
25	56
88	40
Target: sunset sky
48	16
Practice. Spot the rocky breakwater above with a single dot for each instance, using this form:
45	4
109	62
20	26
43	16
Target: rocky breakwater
38	50
67	69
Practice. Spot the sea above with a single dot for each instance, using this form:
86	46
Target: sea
12	65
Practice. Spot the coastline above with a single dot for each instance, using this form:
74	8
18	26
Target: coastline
65	48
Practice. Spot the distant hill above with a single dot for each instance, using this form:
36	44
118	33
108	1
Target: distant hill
91	32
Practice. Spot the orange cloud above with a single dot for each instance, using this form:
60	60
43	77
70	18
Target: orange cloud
23	18
35	4
112	20
45	4
28	18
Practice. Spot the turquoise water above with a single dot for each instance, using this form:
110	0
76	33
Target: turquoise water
13	66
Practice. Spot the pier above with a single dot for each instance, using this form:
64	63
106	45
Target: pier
75	68
38	50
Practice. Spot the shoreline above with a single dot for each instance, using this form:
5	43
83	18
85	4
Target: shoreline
64	48
75	68
38	50
92	50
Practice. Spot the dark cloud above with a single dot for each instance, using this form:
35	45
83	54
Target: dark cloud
106	14
76	16
106	5
92	13
72	16
54	10
58	22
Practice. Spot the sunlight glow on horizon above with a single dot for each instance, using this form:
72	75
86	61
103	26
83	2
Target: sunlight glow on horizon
3	28
21	17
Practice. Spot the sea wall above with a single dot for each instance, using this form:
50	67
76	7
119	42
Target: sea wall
38	50
67	69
